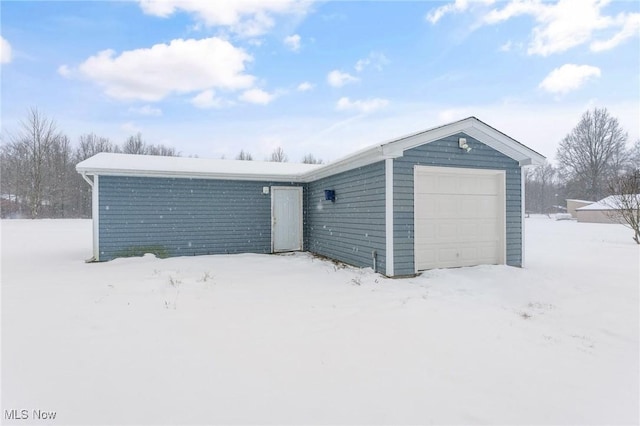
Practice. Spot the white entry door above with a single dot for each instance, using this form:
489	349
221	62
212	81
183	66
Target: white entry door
459	217
286	218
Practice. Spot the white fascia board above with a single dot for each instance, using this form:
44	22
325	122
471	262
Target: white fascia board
508	146
497	144
474	128
511	149
398	146
361	159
193	175
391	149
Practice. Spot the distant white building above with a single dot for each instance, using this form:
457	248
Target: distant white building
604	211
572	205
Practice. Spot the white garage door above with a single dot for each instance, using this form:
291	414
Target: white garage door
459	217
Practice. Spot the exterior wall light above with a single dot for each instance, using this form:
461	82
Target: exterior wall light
462	144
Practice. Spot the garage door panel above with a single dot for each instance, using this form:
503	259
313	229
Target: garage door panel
451	255
483	206
447	231
452	230
429	184
436	206
488	231
487	186
459	217
468	230
450	183
427	228
446	206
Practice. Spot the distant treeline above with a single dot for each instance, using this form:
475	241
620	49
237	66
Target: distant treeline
38	162
591	160
38	177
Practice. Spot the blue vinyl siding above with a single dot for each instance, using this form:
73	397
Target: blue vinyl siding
353	226
182	217
446	153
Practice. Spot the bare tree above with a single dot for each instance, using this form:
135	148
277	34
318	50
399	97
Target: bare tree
246	156
134	145
31	147
634	156
278	156
90	144
626	201
541	189
592	154
60	173
311	159
12	184
161	149
38	168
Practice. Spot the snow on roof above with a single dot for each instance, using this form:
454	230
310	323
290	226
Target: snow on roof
580	201
608	203
153	165
145	165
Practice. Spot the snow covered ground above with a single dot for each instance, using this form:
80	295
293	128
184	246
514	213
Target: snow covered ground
291	339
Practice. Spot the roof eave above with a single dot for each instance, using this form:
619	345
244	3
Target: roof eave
360	159
474	128
192	175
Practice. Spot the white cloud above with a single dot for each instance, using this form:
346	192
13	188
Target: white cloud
64	70
566	24
451	114
130	127
458	6
248	18
5	51
292	42
630	26
305	86
146	110
182	66
568	77
363	106
506	46
206	99
337	78
375	59
256	96
513	9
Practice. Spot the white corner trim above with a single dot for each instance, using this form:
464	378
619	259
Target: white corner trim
95	215
388	172
522	214
503	191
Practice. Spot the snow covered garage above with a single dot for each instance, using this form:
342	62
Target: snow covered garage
445	197
604	211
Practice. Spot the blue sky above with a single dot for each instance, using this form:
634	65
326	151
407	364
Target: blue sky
328	78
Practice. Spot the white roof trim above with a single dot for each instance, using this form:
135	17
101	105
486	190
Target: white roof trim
154	166
477	130
395	148
580	201
612	202
196	168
